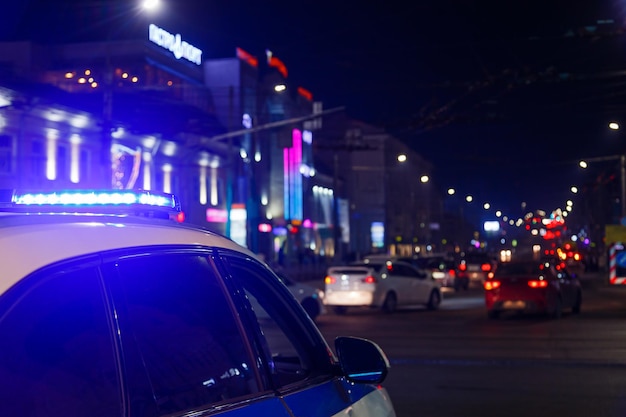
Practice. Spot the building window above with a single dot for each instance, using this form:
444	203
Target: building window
38	160
6	154
85	159
167	178
202	185
215	187
61	171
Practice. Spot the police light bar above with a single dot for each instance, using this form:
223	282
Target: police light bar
105	200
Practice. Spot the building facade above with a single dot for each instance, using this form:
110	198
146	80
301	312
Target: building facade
142	114
387	189
249	154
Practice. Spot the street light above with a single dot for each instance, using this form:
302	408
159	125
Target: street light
279	88
151	4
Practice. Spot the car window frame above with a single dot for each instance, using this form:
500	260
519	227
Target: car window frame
110	258
323	354
58	270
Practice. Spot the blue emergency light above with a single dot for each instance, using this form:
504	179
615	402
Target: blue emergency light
138	201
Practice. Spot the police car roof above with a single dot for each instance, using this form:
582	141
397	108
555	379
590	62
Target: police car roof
33	239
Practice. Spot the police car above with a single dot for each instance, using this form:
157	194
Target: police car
108	307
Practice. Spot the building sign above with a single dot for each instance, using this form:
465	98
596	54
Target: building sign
614	233
216	215
377	231
238	224
175	44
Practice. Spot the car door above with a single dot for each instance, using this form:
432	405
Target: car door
422	283
58	357
185	350
296	355
568	287
394	278
411	288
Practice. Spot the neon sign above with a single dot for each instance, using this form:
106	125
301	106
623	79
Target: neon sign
175	44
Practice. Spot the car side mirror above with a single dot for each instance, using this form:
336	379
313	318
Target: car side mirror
361	360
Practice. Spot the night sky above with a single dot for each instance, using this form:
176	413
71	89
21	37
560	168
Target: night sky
502	97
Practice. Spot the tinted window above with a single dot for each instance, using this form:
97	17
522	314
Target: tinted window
378	267
293	347
562	274
403	270
57	353
518	268
477	258
423	263
183	327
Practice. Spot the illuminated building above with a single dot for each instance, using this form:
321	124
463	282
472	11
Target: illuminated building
177	124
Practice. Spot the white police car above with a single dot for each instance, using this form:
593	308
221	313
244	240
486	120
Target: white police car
108	310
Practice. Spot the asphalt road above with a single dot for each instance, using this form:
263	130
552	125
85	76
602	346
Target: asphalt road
457	362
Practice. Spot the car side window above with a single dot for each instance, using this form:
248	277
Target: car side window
400	270
177	315
57	348
564	275
294	350
408	271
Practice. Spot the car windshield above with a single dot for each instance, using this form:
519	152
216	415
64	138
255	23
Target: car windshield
519	268
420	262
477	258
376	266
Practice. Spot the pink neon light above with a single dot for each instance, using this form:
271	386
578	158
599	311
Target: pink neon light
297	178
286	191
216	215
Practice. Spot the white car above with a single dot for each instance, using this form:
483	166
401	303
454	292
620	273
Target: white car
385	284
441	267
309	297
108	307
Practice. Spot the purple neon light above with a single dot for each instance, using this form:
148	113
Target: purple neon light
292	159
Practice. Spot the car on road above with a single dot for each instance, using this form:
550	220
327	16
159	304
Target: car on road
309	297
474	268
383	284
532	286
111	307
442	268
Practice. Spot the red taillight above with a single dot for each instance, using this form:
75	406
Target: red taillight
329	280
537	283
485	267
452	273
491	284
369	279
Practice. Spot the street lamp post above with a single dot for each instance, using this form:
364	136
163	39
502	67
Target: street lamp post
622	159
